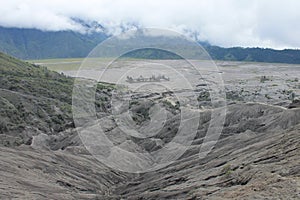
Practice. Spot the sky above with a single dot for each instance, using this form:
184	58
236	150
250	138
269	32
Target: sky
227	23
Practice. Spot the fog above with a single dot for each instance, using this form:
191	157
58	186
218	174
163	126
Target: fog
256	23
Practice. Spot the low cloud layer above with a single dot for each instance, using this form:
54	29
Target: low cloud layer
268	23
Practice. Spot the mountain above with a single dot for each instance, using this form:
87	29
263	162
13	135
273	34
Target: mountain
254	54
37	44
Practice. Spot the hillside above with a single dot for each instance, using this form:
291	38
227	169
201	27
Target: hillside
254	54
36	44
33	100
43	157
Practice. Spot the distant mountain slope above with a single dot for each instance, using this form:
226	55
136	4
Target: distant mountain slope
36	44
254	54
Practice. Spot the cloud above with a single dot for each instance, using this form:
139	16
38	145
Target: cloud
268	23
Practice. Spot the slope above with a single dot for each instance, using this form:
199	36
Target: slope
37	44
42	157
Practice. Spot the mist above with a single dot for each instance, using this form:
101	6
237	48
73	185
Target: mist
269	23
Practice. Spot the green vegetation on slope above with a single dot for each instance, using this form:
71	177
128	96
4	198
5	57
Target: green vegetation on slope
33	100
36	44
254	54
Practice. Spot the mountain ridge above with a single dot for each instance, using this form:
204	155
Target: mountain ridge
37	44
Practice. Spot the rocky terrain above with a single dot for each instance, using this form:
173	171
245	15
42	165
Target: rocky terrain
42	156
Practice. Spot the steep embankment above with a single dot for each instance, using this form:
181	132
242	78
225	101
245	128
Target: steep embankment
33	100
36	102
35	117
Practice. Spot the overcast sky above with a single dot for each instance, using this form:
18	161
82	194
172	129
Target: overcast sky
248	23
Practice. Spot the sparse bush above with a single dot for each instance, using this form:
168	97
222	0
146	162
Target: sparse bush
234	95
267	96
227	170
264	79
3	126
204	96
292	96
